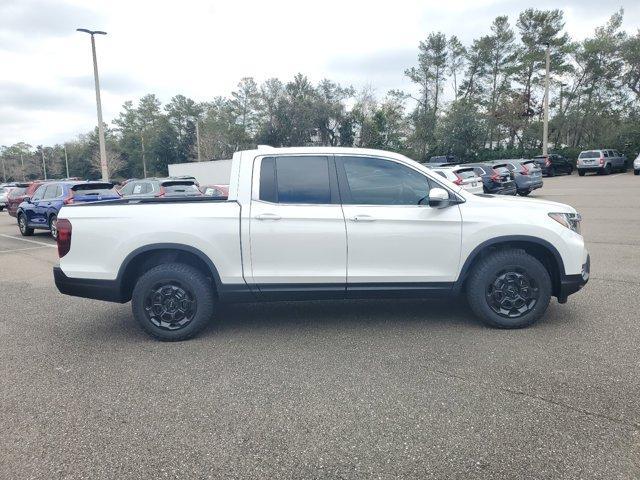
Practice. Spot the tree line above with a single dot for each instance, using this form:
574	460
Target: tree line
478	101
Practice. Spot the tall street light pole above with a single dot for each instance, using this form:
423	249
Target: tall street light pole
44	164
103	149
545	128
66	160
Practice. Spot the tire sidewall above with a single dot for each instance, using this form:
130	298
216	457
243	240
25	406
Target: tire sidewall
53	230
485	274
192	279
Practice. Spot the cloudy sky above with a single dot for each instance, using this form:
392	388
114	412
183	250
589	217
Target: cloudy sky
202	48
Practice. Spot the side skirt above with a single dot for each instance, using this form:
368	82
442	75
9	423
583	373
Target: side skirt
296	291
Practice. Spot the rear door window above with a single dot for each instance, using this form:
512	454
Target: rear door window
295	179
590	154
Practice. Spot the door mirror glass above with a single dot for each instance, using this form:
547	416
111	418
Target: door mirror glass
438	198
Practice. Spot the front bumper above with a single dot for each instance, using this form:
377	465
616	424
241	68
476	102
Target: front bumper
570	284
107	290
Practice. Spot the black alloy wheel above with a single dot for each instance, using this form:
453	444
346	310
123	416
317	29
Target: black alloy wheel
513	293
170	305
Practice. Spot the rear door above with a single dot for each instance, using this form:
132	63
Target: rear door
395	240
297	230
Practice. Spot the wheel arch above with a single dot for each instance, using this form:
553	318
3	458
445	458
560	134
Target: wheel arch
538	248
142	259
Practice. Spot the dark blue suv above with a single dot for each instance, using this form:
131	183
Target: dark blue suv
41	210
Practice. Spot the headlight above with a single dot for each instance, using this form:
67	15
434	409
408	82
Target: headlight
569	220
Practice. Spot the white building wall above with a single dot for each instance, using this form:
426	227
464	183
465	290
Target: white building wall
206	173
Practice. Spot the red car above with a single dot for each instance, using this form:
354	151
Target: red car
19	193
215	190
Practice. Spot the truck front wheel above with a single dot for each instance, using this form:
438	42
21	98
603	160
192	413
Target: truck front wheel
173	301
509	289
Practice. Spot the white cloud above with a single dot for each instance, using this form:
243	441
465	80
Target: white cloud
202	48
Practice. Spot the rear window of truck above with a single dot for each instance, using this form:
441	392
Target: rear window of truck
590	154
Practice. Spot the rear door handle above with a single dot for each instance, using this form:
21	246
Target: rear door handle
362	218
268	216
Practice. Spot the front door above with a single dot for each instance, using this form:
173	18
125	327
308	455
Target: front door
297	230
395	240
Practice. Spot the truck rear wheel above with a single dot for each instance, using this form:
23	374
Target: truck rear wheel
509	289
173	302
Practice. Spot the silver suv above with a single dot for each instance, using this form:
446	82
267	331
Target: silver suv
601	161
636	165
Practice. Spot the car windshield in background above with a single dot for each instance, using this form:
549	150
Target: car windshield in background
465	174
590	154
97	190
16	192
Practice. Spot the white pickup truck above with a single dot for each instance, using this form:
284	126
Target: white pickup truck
321	223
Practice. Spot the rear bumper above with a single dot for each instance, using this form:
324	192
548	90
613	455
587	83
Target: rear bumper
107	290
570	284
590	168
511	190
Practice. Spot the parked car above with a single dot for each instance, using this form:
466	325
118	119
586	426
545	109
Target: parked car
4	195
636	165
496	178
308	223
161	187
18	195
527	174
41	210
553	164
602	162
215	190
462	176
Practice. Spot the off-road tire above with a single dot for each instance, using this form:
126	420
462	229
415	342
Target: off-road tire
489	268
188	278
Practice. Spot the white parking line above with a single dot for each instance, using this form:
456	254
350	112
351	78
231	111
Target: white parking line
25	240
23	249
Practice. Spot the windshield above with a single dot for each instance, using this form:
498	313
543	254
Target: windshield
16	192
188	188
464	174
590	154
100	189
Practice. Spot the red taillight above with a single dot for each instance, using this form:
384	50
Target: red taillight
458	180
547	163
69	199
525	170
64	236
495	177
161	192
601	161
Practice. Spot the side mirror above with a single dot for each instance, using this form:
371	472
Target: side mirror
438	198
27	199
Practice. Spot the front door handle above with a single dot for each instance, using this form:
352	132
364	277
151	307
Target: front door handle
268	216
362	218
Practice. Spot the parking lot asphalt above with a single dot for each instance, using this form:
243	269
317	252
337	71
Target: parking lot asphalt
348	389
